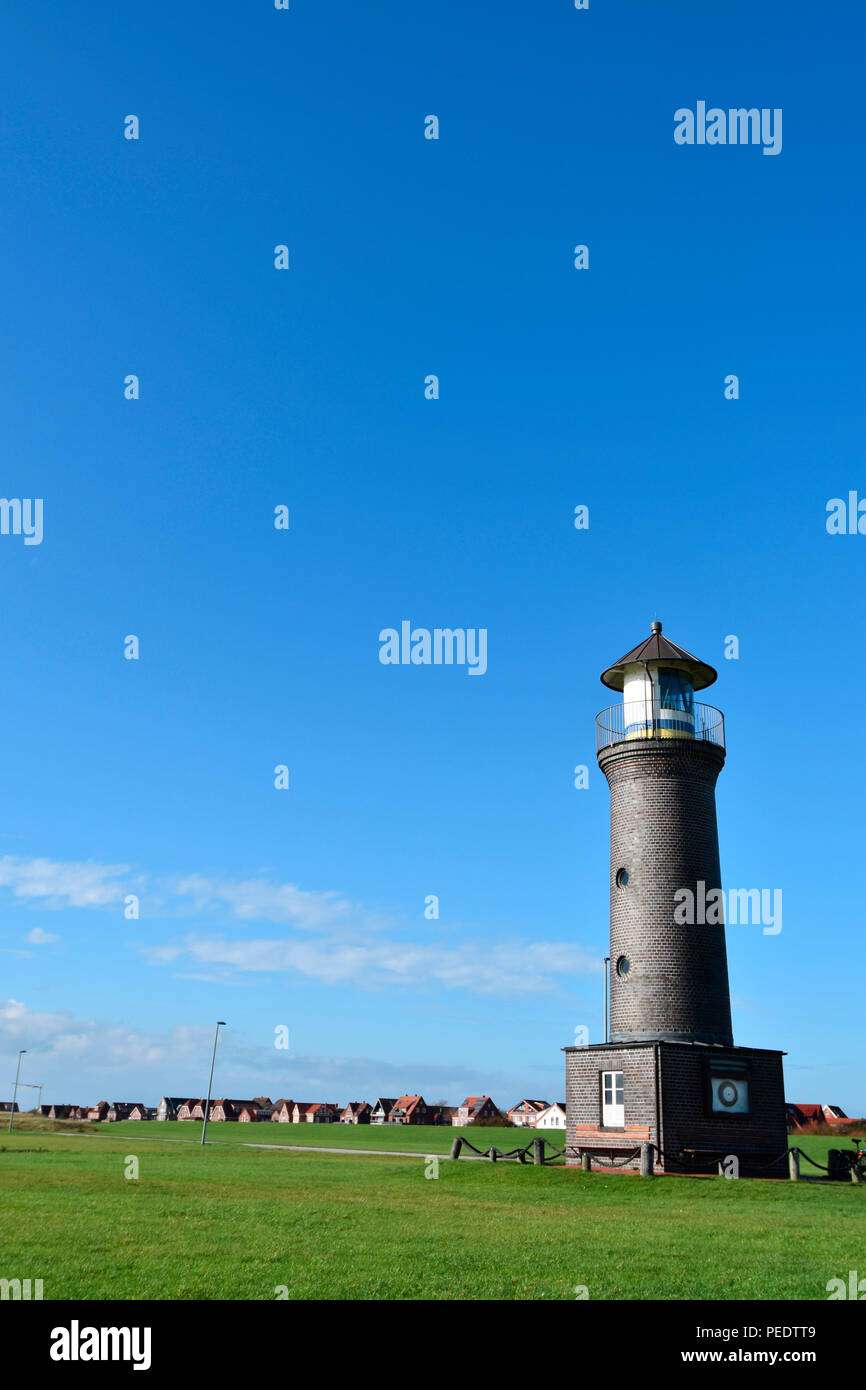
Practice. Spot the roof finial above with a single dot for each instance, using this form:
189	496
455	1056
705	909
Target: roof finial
655	626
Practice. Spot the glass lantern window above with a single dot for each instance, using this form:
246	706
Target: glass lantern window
675	691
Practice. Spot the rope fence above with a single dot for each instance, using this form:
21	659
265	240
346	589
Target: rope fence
846	1167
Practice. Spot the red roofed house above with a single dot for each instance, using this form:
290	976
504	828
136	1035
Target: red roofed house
98	1111
475	1108
408	1110
357	1112
254	1114
318	1112
223	1109
800	1116
282	1112
191	1110
525	1112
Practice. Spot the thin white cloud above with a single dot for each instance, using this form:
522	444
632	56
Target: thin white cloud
340	942
63	884
504	969
62	1037
38	937
258	899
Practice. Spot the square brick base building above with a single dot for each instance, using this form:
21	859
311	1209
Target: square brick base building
686	1099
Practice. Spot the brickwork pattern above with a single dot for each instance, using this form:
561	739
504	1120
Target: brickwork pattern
663	831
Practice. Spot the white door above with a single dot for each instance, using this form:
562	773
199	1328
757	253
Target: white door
612	1107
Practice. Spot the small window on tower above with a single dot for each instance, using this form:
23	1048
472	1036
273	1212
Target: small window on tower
621	878
623	966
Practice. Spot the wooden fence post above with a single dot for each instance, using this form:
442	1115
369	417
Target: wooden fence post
586	1162
646	1160
794	1164
494	1154
521	1155
456	1147
538	1149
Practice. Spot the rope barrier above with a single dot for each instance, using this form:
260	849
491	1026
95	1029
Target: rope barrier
575	1151
814	1164
780	1158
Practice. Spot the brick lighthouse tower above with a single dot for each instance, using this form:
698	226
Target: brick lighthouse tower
668	1073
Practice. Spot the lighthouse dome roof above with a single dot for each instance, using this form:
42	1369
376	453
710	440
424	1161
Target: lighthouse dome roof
658	648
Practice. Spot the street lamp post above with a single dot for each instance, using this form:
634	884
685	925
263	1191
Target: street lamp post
220	1025
15	1092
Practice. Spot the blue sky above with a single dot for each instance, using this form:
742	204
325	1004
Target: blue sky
305	387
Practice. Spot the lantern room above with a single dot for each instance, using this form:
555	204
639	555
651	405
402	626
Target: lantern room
658	681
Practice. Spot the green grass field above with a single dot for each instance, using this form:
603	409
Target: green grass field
232	1222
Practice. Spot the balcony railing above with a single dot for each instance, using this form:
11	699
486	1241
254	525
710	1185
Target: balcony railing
646	719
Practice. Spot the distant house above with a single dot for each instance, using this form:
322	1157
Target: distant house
802	1115
9	1107
221	1110
552	1117
357	1112
525	1113
317	1112
254	1114
122	1110
190	1110
475	1108
169	1106
142	1112
282	1111
76	1112
99	1111
408	1110
381	1110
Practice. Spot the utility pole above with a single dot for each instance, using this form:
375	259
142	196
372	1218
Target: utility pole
220	1025
33	1086
15	1092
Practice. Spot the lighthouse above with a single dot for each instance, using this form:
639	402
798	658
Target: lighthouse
668	1073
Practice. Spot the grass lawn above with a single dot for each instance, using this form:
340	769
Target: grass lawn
232	1222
